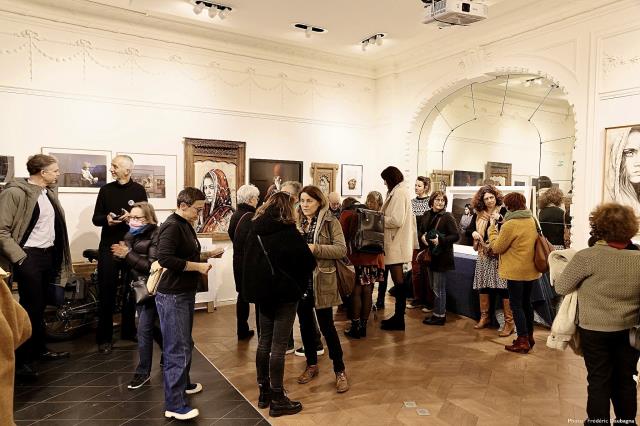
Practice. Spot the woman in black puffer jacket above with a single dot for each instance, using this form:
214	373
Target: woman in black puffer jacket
139	251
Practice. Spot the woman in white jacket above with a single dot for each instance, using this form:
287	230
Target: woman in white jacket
400	238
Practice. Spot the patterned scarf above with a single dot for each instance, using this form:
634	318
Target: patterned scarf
310	228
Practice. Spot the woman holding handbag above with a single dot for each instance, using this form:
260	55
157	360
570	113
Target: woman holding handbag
323	234
487	202
438	231
276	267
139	251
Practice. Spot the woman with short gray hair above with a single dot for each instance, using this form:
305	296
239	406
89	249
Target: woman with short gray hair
247	200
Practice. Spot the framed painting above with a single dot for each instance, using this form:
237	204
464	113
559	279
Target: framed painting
269	175
7	168
351	177
441	179
324	176
622	166
81	170
216	167
499	173
157	173
467	178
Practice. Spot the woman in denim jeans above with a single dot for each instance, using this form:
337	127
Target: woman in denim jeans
277	265
139	250
179	253
438	231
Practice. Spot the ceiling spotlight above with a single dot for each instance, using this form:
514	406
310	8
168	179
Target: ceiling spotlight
223	11
374	39
538	81
307	32
213	11
197	9
527	83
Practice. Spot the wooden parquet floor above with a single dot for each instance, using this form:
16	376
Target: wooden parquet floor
461	375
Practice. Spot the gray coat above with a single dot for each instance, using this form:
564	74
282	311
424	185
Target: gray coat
18	201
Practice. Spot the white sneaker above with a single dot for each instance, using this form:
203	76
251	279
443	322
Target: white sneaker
184	413
194	388
426	310
300	351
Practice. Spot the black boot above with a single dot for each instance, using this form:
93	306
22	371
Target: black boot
264	400
354	331
393	323
363	328
281	405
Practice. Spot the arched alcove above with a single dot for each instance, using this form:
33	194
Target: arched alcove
522	120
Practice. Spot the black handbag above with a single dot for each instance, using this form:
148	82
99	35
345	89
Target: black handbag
141	291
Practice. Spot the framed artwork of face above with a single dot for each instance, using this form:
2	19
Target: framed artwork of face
622	166
351	178
215	167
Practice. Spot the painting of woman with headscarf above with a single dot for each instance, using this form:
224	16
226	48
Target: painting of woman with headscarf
218	207
622	166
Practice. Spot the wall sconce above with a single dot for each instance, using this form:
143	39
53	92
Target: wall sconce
309	29
219	10
376	39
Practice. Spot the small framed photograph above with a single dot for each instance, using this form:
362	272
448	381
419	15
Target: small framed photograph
351	176
81	170
324	176
158	174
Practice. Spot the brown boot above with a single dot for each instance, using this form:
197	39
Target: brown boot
309	373
509	326
342	385
520	345
484	312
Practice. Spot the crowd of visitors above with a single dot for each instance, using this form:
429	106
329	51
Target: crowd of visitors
286	254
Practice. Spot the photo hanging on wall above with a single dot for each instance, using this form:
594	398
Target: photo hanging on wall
269	175
622	166
158	174
351	176
441	179
324	176
499	173
216	167
81	170
7	169
467	178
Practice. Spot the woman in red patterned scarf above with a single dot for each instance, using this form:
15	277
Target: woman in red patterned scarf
218	208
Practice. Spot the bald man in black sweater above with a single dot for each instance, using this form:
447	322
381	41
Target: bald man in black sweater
111	213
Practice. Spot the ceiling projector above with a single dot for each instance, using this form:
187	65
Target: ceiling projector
455	12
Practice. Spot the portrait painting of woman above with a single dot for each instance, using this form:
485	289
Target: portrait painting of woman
622	166
218	207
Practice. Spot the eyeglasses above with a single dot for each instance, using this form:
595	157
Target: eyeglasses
137	217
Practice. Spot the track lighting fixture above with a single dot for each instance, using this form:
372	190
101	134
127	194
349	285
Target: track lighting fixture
309	30
218	10
376	39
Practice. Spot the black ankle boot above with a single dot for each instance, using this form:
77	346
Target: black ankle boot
354	331
393	323
281	405
363	328
265	395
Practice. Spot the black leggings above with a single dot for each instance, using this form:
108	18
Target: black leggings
398	281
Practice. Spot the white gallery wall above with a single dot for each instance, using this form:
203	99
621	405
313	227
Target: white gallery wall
591	53
68	86
89	82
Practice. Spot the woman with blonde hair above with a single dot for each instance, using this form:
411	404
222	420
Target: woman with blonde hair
606	277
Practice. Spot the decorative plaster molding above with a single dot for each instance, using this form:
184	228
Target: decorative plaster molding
612	62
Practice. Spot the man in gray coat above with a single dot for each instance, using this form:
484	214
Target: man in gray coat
34	245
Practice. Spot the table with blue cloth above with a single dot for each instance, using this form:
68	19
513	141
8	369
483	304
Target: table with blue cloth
462	299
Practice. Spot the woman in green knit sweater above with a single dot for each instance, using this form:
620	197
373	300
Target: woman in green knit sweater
515	244
607	279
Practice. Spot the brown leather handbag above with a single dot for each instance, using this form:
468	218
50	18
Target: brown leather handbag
541	251
346	274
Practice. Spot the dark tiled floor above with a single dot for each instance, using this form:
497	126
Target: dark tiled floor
91	389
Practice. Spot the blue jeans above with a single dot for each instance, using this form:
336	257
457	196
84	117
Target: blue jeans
276	323
176	323
438	282
520	298
148	331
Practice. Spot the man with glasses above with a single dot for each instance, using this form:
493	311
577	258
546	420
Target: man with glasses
111	212
35	246
179	253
